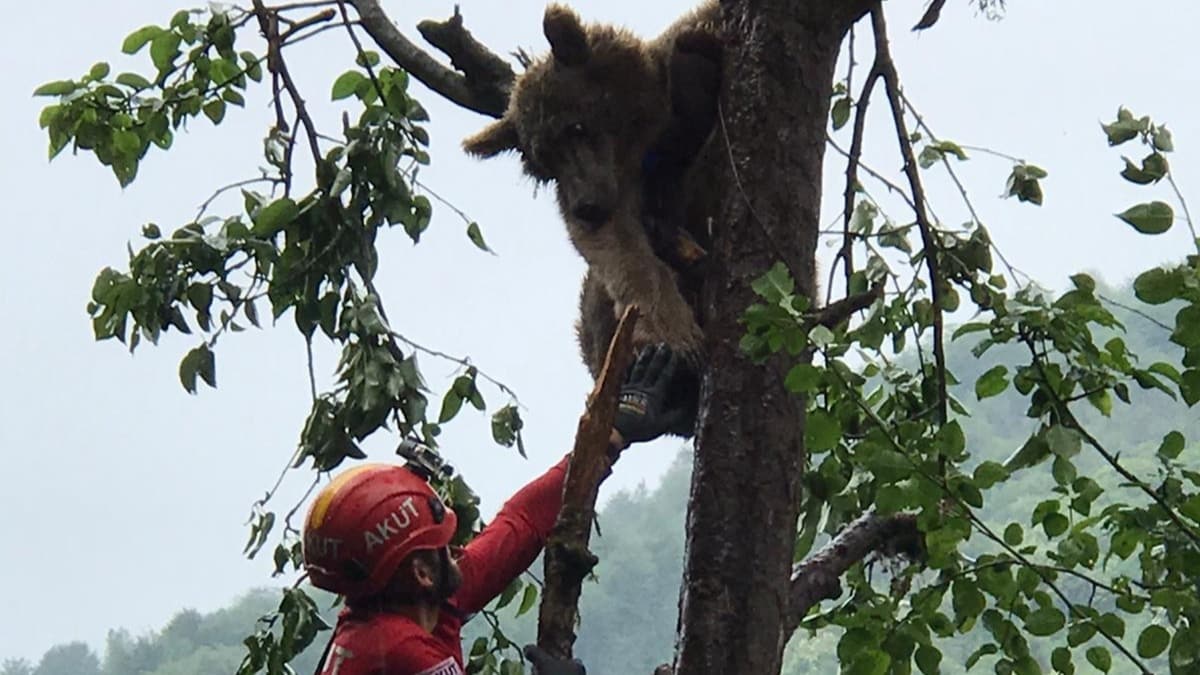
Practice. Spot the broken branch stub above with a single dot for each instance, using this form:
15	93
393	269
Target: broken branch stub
568	560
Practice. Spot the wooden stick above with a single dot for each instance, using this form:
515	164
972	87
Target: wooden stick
568	560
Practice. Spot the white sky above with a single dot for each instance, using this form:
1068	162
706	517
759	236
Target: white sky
124	498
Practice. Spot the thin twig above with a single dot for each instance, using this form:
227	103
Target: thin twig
361	52
312	375
232	186
297	26
989	151
1135	310
891	80
962	190
891	186
1187	214
269	23
465	363
287	520
846	254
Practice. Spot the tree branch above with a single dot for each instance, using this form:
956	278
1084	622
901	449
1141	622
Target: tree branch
846	254
485	80
891	80
568	560
835	313
818	578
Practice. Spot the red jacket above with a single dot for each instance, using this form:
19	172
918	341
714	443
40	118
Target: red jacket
381	643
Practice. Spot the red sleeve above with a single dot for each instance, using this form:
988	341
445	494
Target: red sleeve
512	541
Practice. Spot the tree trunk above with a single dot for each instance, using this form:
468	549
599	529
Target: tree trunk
745	491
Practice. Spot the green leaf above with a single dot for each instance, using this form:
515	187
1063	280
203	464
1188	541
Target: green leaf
1162	139
133	80
1063	442
1157	286
1055	524
251	311
527	599
1153	640
1172	445
274	217
1080	633
1045	621
56	88
928	659
208	366
476	237
1100	658
164	48
869	661
1189	386
138	38
986	650
840	112
1149	218
199	361
802	378
451	404
775	285
822	431
1034	451
989	473
991	383
99	71
1060	660
346	84
950	439
1126	128
1013	534
214	110
1063	470
200	295
1084	282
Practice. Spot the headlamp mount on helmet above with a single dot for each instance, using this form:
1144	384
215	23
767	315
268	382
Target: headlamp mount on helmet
424	461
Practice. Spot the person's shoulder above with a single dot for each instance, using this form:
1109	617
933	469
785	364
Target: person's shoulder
394	645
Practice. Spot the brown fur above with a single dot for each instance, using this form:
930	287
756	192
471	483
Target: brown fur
584	117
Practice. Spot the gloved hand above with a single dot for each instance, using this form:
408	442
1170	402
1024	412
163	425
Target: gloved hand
544	664
643	410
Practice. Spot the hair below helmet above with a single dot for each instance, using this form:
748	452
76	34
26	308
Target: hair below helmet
365	522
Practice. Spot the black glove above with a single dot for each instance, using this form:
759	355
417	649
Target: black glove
642	410
544	664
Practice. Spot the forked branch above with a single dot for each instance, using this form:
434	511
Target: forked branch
483	79
818	578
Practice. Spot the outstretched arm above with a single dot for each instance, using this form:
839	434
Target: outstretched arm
513	540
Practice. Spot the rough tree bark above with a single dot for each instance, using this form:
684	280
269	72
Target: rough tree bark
745	494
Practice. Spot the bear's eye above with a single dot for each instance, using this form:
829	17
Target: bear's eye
575	131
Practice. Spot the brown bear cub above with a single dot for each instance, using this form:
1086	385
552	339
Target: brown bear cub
616	123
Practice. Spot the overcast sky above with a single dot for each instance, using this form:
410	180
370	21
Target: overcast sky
124	498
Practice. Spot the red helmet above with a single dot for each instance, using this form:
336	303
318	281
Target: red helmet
365	522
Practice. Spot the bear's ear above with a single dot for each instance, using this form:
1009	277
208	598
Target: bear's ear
568	40
494	139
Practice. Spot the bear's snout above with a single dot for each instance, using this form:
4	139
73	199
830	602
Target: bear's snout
591	213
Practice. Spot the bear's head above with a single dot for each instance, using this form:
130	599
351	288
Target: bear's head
583	116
